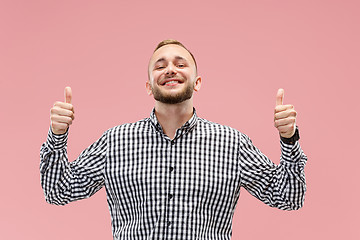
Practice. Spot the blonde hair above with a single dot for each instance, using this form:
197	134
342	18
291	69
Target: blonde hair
176	42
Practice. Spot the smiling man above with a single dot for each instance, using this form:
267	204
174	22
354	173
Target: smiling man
173	175
173	67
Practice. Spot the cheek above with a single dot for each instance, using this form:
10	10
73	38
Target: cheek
151	76
156	75
191	73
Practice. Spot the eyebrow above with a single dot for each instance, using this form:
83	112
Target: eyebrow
159	60
163	59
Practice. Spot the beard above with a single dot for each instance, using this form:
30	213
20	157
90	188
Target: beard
172	98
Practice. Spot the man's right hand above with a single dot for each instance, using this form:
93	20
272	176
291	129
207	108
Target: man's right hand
62	114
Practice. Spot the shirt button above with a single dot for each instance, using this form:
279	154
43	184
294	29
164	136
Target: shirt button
171	169
170	196
168	223
172	143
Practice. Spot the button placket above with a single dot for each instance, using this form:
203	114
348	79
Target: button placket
170	195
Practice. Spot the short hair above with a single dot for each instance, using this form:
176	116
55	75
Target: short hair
176	42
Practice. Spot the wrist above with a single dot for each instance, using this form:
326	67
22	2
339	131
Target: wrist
295	137
56	141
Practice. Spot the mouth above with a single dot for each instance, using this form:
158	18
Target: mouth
171	82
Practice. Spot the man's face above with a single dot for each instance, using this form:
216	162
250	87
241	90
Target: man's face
172	75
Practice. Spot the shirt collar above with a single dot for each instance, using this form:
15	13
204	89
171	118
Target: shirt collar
185	128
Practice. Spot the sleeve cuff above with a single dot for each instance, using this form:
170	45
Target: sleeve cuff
56	142
291	153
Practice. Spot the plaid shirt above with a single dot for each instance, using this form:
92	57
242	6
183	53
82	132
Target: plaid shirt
185	188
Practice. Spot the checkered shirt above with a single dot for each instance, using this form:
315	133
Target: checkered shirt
185	188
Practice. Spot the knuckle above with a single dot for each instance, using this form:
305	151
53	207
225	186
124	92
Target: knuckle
67	113
64	119
276	123
292	111
70	120
53	110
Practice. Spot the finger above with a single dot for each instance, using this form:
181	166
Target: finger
280	108
280	97
61	119
68	95
285	114
62	112
285	121
67	106
286	128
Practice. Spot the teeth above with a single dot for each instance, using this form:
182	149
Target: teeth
171	82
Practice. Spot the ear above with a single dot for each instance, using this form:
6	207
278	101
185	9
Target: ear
197	84
148	88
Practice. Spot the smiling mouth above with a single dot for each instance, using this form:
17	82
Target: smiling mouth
171	83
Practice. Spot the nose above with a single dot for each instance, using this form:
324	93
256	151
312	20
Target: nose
170	70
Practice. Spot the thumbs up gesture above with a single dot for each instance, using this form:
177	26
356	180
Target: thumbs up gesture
284	116
62	114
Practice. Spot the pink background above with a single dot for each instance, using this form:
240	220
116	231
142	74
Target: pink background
245	51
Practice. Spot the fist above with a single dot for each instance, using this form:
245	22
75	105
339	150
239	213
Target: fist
62	114
284	116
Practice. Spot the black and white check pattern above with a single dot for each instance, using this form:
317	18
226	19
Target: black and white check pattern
186	188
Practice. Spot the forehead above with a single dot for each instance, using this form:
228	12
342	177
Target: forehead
171	52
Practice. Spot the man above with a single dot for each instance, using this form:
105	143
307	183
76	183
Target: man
173	175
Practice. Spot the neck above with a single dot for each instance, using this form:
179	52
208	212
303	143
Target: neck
173	116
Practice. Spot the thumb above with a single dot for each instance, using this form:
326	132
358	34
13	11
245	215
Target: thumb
68	95
280	97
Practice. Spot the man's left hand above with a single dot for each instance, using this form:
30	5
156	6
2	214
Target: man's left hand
284	116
